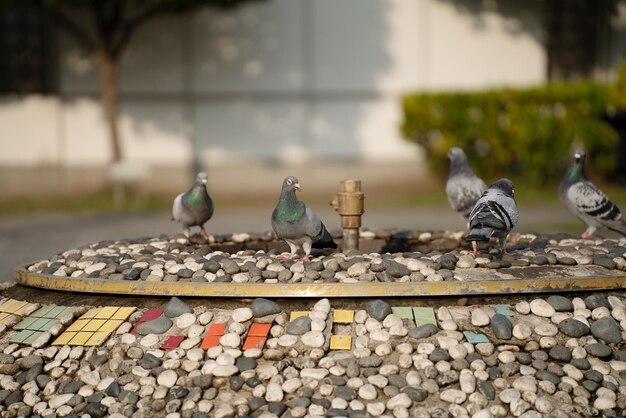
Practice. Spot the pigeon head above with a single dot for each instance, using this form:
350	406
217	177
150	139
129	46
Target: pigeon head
202	177
292	183
456	155
505	185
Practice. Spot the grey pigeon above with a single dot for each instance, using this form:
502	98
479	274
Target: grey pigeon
463	188
298	225
194	207
494	215
586	201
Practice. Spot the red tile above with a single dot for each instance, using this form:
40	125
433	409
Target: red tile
216	329
172	342
149	315
210	341
254	342
259	330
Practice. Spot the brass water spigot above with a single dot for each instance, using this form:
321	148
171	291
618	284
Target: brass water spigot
349	205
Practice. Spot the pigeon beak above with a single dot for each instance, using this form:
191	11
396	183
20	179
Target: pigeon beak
296	186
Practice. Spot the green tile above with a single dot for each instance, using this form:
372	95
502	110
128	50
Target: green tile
31	339
424	316
48	325
38	324
54	312
403	312
41	312
67	310
25	323
21	336
475	337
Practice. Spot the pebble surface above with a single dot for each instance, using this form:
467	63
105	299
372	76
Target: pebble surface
252	258
529	367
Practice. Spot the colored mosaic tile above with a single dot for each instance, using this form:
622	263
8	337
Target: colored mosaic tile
298	314
213	336
40	321
95	326
475	337
343	316
340	342
503	309
254	342
172	342
403	312
14	307
259	330
148	315
424	316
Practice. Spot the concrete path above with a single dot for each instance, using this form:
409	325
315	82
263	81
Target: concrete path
26	238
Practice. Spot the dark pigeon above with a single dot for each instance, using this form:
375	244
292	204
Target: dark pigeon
494	215
298	225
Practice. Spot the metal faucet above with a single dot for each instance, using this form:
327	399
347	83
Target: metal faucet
349	204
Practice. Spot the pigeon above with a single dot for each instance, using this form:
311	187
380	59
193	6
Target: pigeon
494	215
463	188
586	201
298	225
194	207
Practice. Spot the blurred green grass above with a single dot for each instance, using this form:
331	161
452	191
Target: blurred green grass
433	196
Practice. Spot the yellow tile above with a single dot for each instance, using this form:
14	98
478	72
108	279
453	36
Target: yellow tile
64	338
78	325
94	325
21	309
12	305
90	313
111	325
81	338
340	342
106	312
97	339
298	314
4	315
343	317
123	313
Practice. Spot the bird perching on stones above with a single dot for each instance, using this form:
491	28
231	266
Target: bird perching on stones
194	207
463	187
494	215
586	201
298	225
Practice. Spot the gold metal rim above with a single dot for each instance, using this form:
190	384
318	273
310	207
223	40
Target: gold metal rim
329	290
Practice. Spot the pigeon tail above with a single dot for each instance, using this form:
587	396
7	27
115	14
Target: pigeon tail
617	226
479	235
326	241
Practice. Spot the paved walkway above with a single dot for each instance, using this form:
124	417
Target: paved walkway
26	238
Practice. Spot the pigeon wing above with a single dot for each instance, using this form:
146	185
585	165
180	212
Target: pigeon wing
318	232
494	210
591	202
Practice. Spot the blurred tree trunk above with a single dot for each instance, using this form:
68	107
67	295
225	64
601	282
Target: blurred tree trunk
108	85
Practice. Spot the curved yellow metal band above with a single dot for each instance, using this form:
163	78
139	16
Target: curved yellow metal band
329	290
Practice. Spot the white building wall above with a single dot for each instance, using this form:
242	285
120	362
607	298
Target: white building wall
277	82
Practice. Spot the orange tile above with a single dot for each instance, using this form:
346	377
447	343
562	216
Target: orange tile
210	341
254	342
216	329
259	330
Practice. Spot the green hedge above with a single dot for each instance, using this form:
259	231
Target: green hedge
519	133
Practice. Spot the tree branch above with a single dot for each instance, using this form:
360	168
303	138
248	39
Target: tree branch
130	25
73	29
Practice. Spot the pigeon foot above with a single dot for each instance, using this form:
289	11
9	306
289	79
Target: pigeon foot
474	248
305	259
282	258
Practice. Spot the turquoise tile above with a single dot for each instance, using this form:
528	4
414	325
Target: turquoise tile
503	309
21	336
475	337
403	312
25	323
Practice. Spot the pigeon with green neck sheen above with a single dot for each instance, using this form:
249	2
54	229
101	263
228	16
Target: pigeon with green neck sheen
463	187
194	207
585	201
298	225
